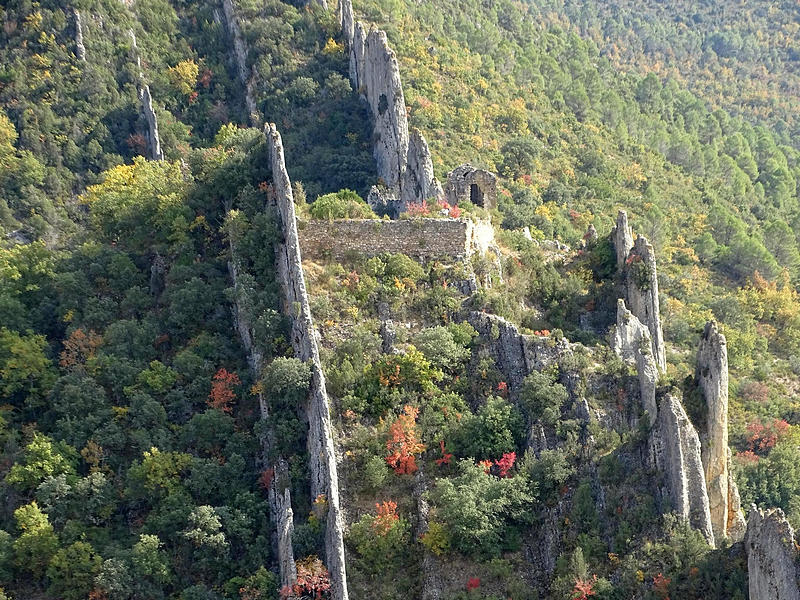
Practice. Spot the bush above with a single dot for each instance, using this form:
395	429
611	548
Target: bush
344	204
481	511
440	347
497	428
380	539
541	397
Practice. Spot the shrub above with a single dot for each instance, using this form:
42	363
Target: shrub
541	397
440	347
497	428
344	204
380	539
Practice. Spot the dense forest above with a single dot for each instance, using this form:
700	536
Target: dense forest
137	437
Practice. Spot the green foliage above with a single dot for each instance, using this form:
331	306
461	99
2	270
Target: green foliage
542	398
37	542
72	571
379	548
495	429
42	458
446	347
480	511
344	204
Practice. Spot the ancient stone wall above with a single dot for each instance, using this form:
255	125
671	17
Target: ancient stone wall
418	238
322	453
771	556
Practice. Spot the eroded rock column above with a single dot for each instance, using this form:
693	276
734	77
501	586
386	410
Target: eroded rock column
712	377
771	556
322	453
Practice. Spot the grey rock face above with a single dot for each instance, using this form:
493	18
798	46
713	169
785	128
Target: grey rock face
419	182
676	452
80	49
637	262
516	354
146	102
403	159
281	506
247	77
622	238
321	448
631	341
468	184
712	377
771	556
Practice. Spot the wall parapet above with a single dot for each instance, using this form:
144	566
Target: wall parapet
419	238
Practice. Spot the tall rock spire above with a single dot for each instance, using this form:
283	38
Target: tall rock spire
712	378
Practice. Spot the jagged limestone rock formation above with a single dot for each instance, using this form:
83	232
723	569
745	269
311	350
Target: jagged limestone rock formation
712	377
630	339
403	158
322	453
146	101
468	184
516	354
278	493
246	77
622	238
637	262
80	49
674	443
419	182
771	556
675	449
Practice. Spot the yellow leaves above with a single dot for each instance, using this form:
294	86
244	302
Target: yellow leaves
184	76
548	210
332	47
33	21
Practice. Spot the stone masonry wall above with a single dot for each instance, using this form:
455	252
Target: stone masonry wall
423	238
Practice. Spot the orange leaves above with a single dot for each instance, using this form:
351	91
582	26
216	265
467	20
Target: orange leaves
446	456
584	588
385	518
403	442
222	395
313	580
79	347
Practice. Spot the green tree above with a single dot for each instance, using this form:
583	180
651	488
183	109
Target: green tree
72	571
42	458
37	543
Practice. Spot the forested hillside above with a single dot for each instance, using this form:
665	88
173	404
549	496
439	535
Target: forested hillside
154	406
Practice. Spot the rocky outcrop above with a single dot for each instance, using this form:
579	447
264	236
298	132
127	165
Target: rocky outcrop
247	77
80	49
146	103
622	236
321	449
281	500
468	184
630	339
419	182
771	556
405	167
712	377
516	354
675	450
637	263
674	445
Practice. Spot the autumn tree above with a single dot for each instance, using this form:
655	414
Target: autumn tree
403	442
222	395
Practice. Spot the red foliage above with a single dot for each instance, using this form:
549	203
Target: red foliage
502	388
205	78
193	97
505	464
446	456
762	438
385	518
418	210
455	212
403	442
222	395
661	586
267	475
473	583
584	588
747	457
313	580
